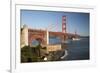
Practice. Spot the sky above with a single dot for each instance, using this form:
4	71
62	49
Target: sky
52	21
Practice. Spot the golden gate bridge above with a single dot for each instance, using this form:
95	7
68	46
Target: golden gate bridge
30	34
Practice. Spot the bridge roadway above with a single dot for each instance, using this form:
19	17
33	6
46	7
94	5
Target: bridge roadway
51	33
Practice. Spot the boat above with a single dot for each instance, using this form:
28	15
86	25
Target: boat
75	39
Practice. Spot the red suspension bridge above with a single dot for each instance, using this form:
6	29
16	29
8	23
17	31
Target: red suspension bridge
29	34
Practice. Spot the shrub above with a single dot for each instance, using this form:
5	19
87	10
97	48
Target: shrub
31	54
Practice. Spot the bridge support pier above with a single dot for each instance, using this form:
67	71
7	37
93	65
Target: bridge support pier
47	37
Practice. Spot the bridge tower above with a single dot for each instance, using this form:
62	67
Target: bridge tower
64	28
64	24
75	35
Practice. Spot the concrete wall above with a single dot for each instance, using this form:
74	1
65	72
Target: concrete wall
24	36
54	47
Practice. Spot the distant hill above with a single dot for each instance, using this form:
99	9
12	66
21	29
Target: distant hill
84	36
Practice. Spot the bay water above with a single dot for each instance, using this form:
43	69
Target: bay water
77	49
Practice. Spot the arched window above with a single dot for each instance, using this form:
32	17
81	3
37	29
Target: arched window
35	42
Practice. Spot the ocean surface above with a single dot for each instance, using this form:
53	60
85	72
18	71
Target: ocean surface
77	49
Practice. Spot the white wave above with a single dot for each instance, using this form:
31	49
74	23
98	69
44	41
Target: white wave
66	53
